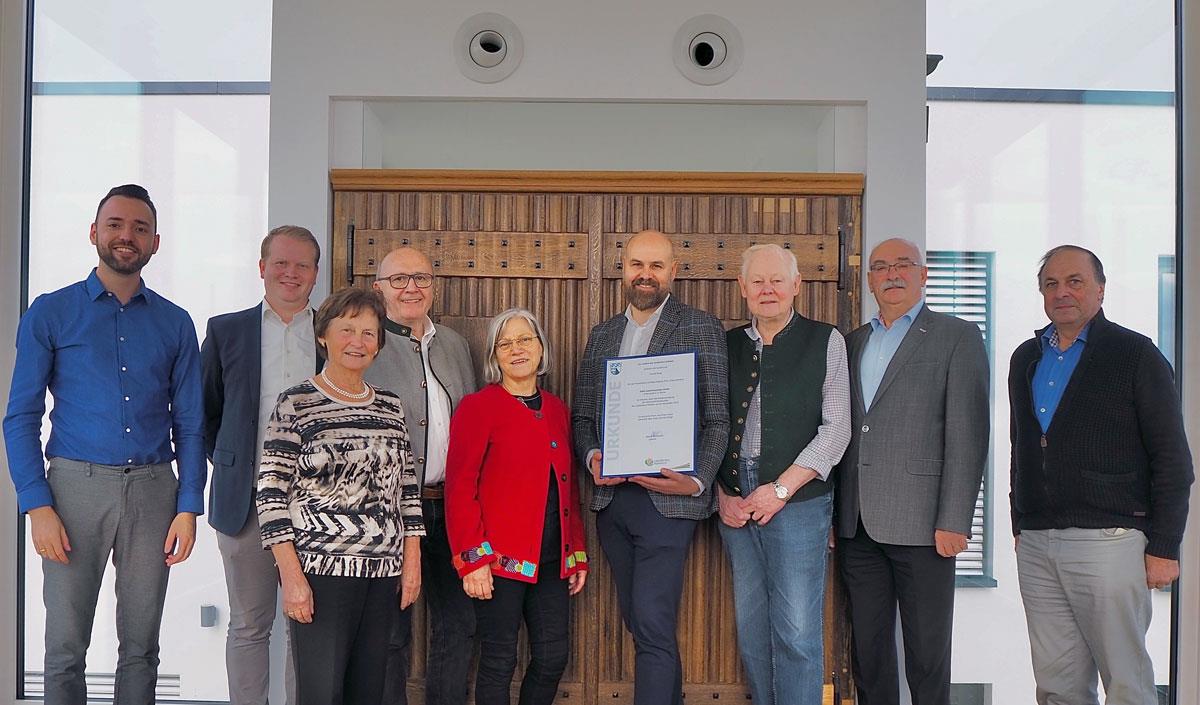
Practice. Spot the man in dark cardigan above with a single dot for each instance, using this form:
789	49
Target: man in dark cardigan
1100	476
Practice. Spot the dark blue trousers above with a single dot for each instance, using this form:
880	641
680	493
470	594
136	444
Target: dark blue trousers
647	552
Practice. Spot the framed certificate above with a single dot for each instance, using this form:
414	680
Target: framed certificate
649	418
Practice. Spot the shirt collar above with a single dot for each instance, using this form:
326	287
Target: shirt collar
304	314
401	329
752	331
1050	336
911	314
95	288
653	319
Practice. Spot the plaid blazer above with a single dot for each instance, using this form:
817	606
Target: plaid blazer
680	328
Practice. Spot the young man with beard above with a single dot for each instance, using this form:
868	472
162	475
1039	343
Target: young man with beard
429	367
124	369
646	524
248	358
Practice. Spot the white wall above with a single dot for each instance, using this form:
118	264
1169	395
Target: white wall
853	52
597	136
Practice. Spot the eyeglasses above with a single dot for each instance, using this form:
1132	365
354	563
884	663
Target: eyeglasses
901	267
423	280
524	342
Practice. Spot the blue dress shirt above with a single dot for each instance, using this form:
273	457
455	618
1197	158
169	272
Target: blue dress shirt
880	348
125	381
1054	372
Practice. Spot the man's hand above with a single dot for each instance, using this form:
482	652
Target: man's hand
49	536
948	543
1160	572
762	504
478	583
181	537
410	573
602	481
671	482
576	582
732	510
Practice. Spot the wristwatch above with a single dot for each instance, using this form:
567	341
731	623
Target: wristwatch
780	491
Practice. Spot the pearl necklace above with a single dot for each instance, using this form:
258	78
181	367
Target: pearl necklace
359	396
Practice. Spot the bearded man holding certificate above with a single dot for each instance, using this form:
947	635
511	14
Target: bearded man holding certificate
646	522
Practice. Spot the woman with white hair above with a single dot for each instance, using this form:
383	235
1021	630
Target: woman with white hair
512	513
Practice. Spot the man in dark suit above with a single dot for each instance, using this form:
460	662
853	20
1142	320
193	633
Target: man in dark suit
646	524
908	482
247	359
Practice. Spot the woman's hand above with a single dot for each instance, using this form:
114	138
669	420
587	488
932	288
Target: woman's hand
410	572
575	582
478	583
297	598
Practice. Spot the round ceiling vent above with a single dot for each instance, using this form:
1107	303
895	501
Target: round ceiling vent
708	50
488	47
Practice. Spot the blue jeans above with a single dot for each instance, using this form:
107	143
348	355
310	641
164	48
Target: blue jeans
779	596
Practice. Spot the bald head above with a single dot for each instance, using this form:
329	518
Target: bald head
896	247
410	304
648	268
404	260
896	276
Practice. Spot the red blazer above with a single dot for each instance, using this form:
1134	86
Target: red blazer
496	484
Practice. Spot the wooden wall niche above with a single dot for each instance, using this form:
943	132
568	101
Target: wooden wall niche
551	242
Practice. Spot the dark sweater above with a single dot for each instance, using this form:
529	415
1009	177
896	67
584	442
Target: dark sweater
1115	454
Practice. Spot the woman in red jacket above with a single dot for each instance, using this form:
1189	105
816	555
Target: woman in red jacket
512	513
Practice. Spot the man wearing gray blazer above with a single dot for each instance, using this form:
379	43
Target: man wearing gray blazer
645	524
247	359
908	482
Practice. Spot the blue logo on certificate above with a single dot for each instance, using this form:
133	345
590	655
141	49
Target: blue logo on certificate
614	368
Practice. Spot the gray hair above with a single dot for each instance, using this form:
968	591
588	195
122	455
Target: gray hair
491	366
788	257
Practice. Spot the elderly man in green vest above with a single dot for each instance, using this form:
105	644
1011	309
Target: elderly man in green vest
789	413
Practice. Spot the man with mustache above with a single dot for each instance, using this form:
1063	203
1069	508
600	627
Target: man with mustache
123	367
1100	475
908	481
248	358
646	524
429	367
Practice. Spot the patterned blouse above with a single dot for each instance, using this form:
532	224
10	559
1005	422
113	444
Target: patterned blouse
337	479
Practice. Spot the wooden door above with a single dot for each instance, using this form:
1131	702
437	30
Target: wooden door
551	242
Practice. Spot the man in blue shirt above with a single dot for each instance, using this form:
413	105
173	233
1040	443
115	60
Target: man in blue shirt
123	366
1100	477
907	483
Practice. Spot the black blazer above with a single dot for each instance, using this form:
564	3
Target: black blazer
230	362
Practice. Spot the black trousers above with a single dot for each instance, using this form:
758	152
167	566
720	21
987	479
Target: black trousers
451	623
879	577
544	606
647	552
339	657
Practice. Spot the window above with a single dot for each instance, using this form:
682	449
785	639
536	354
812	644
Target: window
960	284
174	97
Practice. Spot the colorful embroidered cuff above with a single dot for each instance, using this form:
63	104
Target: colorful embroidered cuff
466	561
576	558
514	566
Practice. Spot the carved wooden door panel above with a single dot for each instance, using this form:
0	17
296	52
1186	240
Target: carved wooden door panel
551	242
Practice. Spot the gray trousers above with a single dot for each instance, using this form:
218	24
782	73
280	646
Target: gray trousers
1088	609
253	584
124	512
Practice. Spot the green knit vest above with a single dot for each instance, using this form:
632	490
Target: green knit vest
791	371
